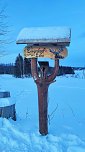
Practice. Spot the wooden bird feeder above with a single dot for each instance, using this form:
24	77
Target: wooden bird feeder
44	42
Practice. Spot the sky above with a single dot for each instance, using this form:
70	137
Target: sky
40	13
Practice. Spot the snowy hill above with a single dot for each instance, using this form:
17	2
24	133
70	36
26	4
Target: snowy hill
66	114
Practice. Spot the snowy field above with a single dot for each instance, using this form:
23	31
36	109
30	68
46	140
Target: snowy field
66	115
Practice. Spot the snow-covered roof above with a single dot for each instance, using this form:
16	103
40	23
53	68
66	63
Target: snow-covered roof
44	35
5	99
6	102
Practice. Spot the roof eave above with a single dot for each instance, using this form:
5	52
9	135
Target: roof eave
63	41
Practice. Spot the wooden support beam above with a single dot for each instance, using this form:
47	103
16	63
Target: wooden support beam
43	83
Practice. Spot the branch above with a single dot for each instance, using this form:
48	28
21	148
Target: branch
4	29
55	71
50	117
34	69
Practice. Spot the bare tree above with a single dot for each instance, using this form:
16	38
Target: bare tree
3	30
3	26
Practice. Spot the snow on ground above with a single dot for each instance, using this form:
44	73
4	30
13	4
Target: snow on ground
66	116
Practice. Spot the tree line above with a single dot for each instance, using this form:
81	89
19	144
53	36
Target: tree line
22	68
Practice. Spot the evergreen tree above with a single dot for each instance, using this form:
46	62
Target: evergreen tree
19	66
27	67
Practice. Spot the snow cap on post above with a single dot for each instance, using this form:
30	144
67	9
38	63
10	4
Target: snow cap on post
44	35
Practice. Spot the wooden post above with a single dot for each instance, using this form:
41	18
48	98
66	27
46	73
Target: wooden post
43	83
43	107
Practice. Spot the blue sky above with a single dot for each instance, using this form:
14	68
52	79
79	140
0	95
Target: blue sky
31	13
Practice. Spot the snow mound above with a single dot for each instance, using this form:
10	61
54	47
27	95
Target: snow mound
14	139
